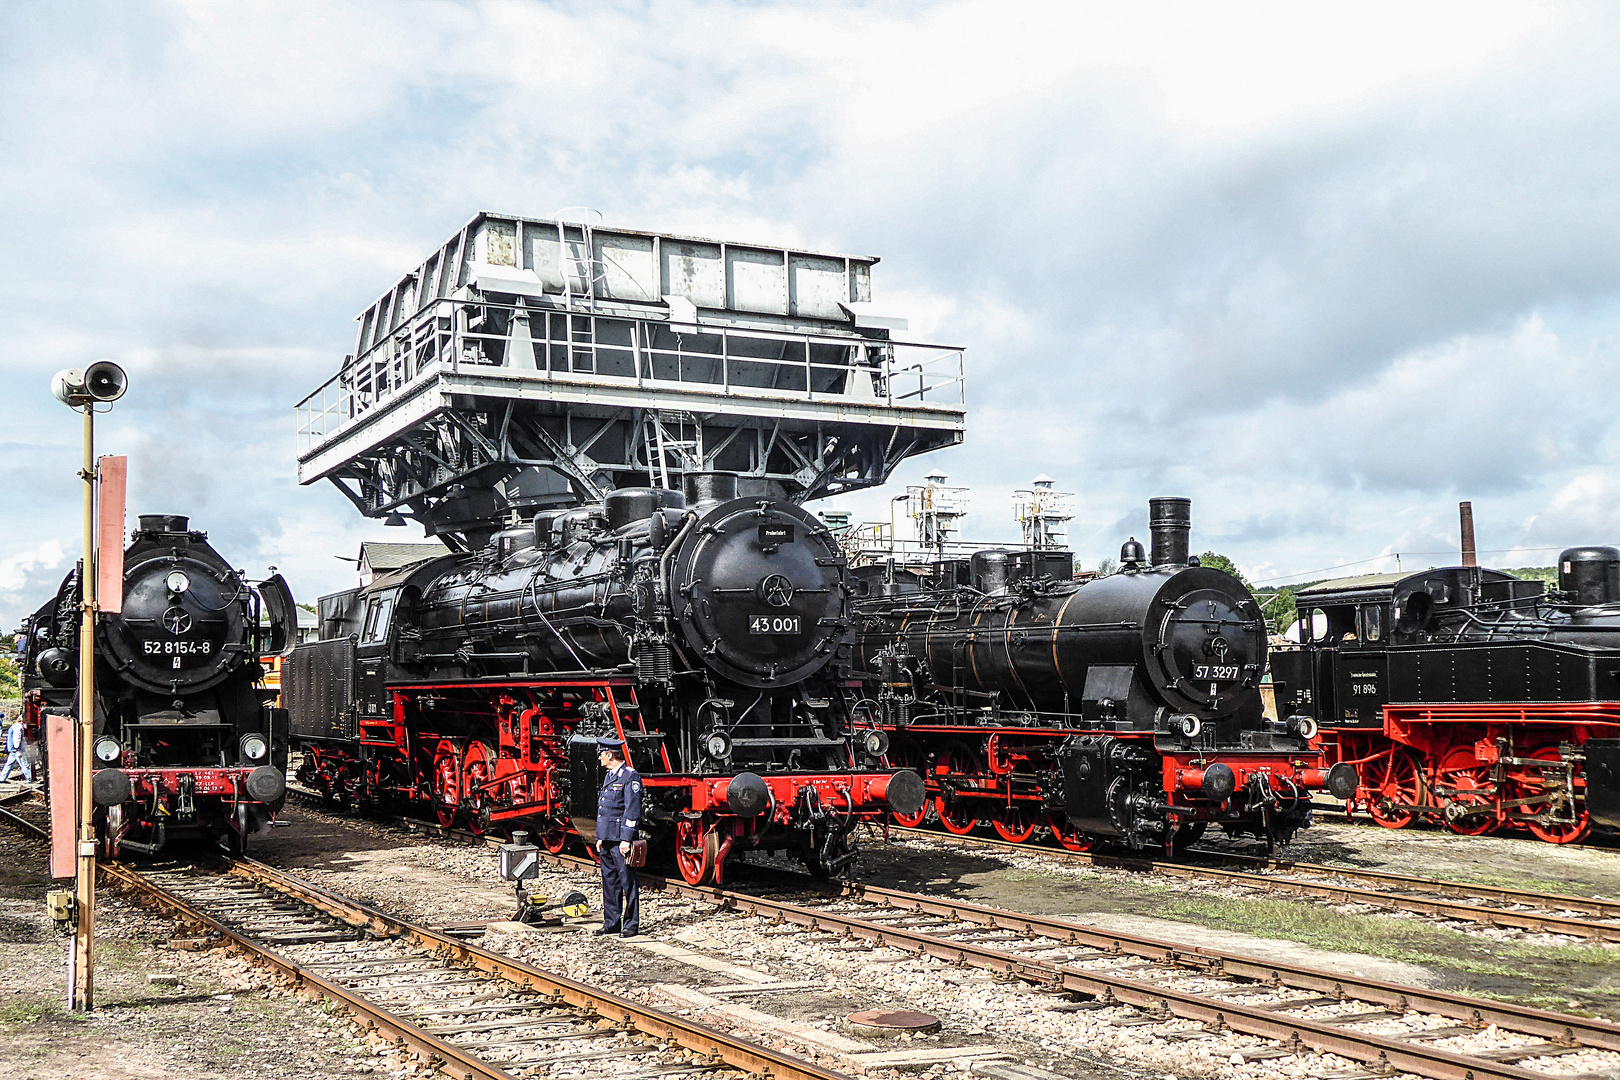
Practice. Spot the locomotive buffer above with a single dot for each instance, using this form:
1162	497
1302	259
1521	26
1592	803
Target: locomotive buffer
527	364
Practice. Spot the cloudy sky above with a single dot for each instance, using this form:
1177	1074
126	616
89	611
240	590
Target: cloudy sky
1325	271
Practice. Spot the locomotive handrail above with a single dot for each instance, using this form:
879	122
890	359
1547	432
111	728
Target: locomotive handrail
440	340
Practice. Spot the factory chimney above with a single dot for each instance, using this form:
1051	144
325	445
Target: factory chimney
1466	511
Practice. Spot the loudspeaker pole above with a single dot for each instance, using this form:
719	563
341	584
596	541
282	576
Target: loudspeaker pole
84	937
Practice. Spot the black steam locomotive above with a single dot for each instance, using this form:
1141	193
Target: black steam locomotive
709	635
185	744
1467	695
1124	708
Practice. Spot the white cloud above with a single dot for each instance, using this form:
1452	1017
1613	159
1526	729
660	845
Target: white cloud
1326	270
15	570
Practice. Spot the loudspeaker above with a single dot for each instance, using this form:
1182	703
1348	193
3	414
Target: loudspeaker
105	381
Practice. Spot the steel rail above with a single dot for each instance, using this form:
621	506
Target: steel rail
1382	1051
690	1035
1558	1027
437	1052
1599	1034
23	823
1458	909
699	1038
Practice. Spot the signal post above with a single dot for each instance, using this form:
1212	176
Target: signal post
101	382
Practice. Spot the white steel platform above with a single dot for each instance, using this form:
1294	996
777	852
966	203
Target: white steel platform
576	359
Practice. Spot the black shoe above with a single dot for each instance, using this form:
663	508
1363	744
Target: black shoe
605	930
629	933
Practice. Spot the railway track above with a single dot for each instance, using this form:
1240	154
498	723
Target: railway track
1387	1027
1187	993
1575	916
467	1012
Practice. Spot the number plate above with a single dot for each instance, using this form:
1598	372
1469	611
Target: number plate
775	624
776	533
1217	672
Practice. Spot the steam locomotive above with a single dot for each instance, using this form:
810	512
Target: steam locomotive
1469	696
185	744
1125	709
707	631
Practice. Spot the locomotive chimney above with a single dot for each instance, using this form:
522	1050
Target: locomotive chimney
709	487
1465	510
1170	521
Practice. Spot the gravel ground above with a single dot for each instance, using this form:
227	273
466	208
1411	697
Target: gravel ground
1547	971
853	976
160	1011
156	1029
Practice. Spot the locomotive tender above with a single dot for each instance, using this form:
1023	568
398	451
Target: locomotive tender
1126	708
711	637
186	745
1468	695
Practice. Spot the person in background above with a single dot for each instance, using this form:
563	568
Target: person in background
16	751
618	811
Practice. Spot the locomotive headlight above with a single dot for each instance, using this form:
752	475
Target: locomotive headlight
875	743
108	750
717	745
177	581
254	747
1191	726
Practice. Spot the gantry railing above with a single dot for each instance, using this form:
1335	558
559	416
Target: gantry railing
527	344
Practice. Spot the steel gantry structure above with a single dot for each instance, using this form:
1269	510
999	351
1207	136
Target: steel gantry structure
530	363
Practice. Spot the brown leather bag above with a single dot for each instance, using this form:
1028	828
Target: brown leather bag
638	853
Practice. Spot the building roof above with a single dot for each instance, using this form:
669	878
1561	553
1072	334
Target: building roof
382	557
1363	581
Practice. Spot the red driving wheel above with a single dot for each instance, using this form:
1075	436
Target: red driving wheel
1069	837
446	784
1394	781
1017	823
956	763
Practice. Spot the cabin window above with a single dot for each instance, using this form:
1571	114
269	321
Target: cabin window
1372	623
378	613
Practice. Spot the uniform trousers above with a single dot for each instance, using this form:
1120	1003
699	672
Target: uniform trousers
621	893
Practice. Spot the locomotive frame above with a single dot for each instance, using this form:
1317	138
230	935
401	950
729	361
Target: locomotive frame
1464	695
474	685
1124	709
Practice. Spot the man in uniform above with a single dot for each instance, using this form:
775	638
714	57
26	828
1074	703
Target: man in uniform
618	811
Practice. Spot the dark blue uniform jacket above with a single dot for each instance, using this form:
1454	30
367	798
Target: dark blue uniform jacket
618	810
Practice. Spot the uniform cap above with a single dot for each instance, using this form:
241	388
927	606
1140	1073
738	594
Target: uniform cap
610	744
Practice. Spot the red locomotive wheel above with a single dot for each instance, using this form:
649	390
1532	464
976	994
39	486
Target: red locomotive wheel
554	841
696	852
1472	792
960	763
1073	839
1016	824
475	773
1547	786
1392	782
446	784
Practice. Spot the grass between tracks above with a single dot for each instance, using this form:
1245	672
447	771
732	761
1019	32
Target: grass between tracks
1530	972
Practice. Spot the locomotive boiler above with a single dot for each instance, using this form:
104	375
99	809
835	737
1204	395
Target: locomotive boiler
1468	696
709	634
1126	707
186	745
